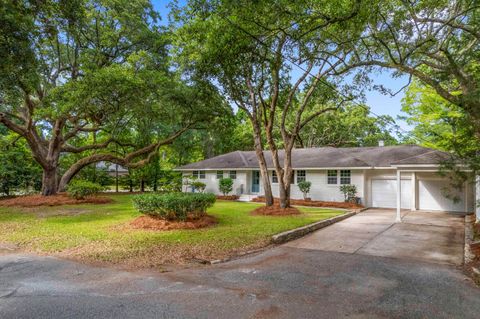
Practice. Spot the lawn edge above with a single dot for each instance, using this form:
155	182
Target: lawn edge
295	233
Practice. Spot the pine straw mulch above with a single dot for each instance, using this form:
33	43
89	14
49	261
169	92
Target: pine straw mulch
151	223
275	210
227	197
313	203
53	200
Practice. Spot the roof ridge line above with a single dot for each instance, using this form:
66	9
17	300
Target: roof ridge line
243	158
413	156
341	151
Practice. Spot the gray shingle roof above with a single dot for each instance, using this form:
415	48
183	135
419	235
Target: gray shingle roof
326	157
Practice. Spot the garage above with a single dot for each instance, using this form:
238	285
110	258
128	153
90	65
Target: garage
431	196
384	193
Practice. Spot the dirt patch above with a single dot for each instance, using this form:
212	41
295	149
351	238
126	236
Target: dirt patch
6	248
313	203
54	200
150	223
275	210
228	197
270	312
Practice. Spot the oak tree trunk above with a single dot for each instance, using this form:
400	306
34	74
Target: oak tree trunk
267	187
50	182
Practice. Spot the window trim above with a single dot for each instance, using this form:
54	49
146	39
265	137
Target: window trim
220	172
232	176
303	176
274	177
349	177
331	176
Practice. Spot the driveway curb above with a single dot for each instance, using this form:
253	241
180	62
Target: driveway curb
468	254
304	230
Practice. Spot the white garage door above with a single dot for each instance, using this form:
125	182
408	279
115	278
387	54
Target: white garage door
384	193
431	196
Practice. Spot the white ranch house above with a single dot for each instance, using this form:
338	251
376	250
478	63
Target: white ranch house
402	177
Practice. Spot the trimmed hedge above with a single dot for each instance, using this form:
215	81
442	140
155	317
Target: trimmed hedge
174	206
79	189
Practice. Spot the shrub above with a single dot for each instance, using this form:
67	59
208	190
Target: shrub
200	186
304	187
79	189
174	206
225	185
349	192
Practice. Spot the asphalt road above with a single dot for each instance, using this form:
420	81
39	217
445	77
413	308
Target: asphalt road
284	282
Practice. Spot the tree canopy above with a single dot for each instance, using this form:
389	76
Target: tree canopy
92	78
250	50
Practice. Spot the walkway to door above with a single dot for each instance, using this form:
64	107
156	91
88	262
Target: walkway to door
428	236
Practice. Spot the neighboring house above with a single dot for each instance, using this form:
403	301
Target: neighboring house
113	169
375	171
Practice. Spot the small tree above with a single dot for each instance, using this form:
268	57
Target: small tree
225	185
349	192
304	187
200	186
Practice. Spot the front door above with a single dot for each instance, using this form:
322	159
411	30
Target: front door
255	181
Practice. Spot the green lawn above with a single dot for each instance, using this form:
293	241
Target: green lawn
100	233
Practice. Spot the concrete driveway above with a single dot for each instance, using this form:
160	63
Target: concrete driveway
428	236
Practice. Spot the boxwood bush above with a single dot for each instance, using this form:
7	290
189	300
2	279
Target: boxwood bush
79	189
174	206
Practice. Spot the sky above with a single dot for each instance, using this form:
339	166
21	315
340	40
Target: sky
379	103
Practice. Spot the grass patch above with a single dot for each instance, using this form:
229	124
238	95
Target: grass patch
97	233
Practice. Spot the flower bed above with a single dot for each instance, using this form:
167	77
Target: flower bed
53	200
275	210
313	203
228	197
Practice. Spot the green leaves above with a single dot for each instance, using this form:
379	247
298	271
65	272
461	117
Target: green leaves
79	189
304	187
18	171
174	206
439	123
225	185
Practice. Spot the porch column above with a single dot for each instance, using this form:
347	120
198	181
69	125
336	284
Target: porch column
398	218
414	191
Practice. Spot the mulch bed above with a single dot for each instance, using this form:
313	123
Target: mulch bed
275	210
313	203
150	223
53	200
227	197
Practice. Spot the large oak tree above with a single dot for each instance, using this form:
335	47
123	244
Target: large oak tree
78	76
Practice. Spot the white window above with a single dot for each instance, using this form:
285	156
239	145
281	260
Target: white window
274	177
332	177
233	174
219	174
199	174
345	177
301	176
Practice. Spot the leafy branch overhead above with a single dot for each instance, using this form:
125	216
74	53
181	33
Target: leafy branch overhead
92	78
